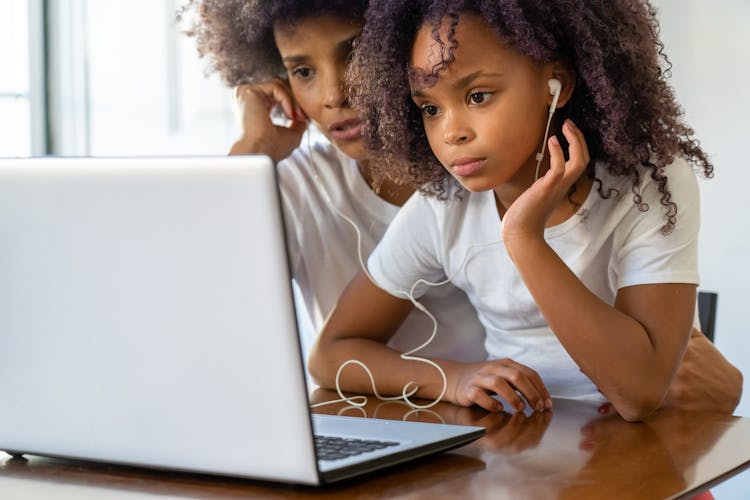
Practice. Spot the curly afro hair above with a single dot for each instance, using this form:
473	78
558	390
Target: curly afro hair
621	102
237	35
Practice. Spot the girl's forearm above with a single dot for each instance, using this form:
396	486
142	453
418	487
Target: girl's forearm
629	364
390	371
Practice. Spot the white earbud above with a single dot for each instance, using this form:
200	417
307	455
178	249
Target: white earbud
555	87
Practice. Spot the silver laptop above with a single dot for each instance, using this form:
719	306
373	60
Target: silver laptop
147	318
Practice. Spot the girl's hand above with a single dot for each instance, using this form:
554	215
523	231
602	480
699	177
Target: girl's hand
529	213
259	134
475	383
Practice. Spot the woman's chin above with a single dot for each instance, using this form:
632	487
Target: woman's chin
354	149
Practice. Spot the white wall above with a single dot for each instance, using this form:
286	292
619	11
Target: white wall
707	42
128	82
147	94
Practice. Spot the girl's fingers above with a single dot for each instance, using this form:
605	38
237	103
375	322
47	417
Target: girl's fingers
521	383
529	383
480	398
500	386
556	161
533	377
577	148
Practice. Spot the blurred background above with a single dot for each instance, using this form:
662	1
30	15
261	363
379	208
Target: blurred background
117	77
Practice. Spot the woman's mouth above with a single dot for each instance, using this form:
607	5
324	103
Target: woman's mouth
346	130
464	167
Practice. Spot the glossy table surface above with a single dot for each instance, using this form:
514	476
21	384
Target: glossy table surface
575	451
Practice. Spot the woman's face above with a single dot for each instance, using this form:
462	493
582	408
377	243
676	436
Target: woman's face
485	116
315	52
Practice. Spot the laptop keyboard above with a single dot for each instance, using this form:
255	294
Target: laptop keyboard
336	448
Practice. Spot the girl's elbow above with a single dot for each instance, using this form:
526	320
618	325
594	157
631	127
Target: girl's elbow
316	365
638	404
636	411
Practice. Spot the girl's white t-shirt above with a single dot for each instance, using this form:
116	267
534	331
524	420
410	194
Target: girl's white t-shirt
315	181
609	244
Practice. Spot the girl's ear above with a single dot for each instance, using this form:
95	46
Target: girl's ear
568	80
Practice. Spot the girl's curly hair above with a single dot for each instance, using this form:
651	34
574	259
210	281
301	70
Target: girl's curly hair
237	35
622	102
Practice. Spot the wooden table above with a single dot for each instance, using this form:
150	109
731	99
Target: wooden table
576	451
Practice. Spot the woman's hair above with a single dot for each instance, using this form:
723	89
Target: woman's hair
621	101
237	35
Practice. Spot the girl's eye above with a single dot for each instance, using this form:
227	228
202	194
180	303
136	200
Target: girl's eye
429	110
479	97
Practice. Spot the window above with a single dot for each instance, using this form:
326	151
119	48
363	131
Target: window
15	91
22	95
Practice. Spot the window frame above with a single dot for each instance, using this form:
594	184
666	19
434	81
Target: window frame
66	80
38	77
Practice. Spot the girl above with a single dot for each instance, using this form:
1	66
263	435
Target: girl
293	54
585	277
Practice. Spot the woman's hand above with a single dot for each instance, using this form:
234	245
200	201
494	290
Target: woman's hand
529	213
259	134
475	383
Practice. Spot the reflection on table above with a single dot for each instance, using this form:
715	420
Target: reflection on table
578	450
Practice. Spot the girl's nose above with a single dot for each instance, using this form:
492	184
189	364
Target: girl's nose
457	132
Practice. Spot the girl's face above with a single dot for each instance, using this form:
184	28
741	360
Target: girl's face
315	52
485	116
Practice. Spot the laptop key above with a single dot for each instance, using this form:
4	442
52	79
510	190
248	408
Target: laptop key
336	448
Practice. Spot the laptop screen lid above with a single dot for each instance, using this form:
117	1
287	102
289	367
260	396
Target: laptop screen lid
146	316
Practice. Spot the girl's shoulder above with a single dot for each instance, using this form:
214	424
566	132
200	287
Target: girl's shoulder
658	202
678	177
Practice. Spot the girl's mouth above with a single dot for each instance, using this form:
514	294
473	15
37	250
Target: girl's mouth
464	167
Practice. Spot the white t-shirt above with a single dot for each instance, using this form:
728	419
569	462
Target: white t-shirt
609	244
323	250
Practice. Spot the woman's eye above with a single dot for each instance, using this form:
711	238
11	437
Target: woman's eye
429	110
302	72
479	97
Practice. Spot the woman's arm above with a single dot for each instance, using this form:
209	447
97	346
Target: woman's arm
705	379
363	321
